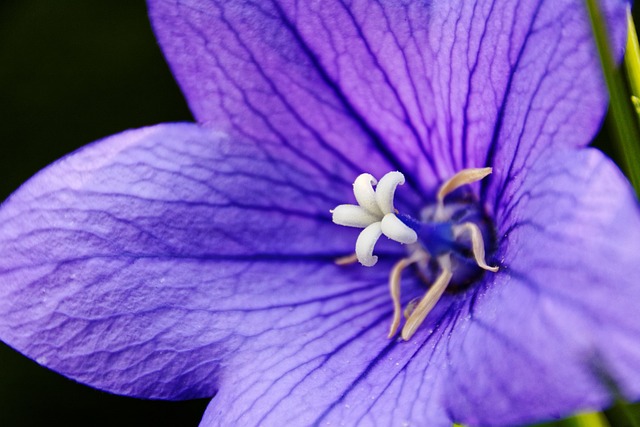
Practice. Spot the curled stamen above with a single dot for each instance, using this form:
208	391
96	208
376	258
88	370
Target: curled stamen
464	177
430	299
394	286
477	243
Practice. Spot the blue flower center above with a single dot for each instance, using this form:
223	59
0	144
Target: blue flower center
437	237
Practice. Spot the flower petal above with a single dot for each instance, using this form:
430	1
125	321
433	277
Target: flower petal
432	87
142	262
536	340
520	349
352	375
244	72
175	262
557	97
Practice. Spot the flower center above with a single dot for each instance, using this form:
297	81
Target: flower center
447	242
452	234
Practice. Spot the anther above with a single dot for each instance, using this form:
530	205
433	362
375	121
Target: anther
464	177
477	243
430	299
410	307
346	260
394	286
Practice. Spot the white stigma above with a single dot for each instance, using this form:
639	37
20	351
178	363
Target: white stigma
375	213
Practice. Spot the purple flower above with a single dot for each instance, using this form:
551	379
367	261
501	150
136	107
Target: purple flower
182	260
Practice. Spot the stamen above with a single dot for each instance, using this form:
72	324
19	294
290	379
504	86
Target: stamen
394	286
410	307
430	299
352	216
397	230
464	177
477	243
365	194
366	241
386	189
346	260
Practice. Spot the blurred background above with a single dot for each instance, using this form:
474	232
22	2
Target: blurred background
71	72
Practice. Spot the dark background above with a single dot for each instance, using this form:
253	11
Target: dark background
71	72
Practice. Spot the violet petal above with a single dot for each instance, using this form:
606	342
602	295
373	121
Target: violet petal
141	262
563	307
520	347
427	88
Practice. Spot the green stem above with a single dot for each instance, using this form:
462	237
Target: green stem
622	115
622	414
592	419
632	57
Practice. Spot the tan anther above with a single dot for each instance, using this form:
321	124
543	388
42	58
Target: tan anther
464	177
477	243
430	299
394	286
346	260
410	307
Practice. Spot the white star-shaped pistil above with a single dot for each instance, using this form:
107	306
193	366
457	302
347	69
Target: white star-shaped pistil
375	213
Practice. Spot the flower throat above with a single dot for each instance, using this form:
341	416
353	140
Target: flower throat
446	244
